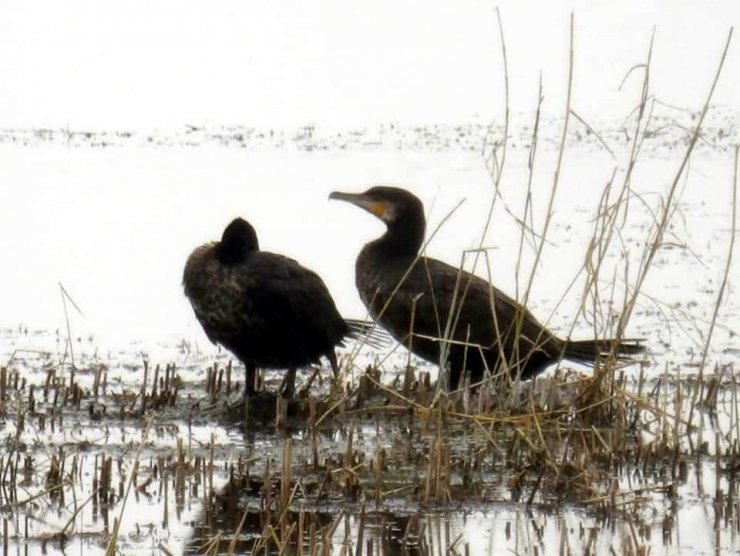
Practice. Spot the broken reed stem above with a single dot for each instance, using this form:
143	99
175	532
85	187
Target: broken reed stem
71	520
63	293
142	392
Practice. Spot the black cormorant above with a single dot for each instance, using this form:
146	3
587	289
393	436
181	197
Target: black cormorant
265	308
406	293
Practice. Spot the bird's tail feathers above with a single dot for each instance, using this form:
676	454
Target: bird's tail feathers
588	351
369	332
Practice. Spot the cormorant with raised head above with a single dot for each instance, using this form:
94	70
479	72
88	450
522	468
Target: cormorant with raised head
410	294
266	309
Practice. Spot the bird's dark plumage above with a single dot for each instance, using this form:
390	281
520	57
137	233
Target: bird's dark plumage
265	308
395	283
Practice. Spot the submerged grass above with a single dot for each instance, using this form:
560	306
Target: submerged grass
361	470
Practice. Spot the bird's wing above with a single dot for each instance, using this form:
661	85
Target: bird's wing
291	297
209	294
471	301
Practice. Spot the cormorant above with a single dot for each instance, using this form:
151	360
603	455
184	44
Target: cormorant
266	309
410	294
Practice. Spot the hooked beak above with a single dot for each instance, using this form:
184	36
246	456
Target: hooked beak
376	208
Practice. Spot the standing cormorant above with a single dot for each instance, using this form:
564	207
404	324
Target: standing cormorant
409	294
265	308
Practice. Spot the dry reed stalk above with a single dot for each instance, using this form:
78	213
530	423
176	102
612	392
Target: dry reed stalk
728	262
666	210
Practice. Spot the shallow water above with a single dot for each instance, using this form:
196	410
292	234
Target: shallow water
197	444
113	224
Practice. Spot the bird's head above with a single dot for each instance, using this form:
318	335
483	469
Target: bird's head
238	240
392	205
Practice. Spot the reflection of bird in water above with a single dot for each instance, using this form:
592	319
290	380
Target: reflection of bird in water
408	294
265	308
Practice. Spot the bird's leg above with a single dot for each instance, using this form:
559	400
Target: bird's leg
304	391
332	357
288	388
249	378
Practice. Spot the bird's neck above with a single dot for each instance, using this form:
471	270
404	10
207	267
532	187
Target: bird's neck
231	254
400	241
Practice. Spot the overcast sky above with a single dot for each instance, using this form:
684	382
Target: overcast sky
140	63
